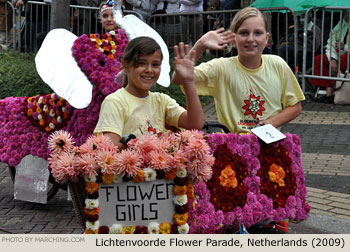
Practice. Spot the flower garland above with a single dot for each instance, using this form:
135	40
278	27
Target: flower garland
26	122
251	182
182	157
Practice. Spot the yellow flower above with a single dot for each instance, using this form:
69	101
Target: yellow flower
165	228
180	219
129	230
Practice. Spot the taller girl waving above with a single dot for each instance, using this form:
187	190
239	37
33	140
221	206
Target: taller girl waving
251	88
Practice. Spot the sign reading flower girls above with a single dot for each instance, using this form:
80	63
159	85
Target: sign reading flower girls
131	203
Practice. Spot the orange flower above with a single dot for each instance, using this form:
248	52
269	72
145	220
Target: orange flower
107	178
179	190
165	228
52	102
48	129
91	211
38	110
180	219
91	187
42	122
53	120
190	192
277	174
30	112
111	56
228	177
139	177
170	175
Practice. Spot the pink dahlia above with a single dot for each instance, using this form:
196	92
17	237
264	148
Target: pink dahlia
60	141
86	164
160	160
128	161
105	159
62	167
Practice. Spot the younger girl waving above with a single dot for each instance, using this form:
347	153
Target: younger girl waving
134	109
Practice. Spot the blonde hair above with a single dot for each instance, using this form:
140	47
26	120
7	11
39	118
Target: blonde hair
242	16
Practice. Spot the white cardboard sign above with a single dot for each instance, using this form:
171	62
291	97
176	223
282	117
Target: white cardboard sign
132	203
268	133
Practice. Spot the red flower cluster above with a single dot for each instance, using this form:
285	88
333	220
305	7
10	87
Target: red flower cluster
226	198
269	157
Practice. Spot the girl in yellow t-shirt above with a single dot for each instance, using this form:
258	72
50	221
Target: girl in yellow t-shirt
134	109
251	88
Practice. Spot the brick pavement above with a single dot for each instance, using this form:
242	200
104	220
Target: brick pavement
324	132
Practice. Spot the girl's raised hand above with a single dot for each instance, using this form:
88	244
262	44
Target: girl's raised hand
184	62
216	40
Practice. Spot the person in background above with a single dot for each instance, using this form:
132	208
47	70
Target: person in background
107	20
144	7
191	25
223	20
249	89
133	109
336	56
287	49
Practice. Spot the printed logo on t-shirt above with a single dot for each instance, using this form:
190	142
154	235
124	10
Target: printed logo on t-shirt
152	130
254	107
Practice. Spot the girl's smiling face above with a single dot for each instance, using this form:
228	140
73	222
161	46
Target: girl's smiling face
143	76
107	20
251	38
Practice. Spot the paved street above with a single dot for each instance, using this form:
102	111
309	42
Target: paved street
325	135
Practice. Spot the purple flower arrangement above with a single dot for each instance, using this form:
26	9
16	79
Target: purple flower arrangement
26	122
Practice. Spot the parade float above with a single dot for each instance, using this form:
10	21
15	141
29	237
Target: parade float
185	182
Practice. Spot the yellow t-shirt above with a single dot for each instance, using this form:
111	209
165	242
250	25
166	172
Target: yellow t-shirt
122	113
242	96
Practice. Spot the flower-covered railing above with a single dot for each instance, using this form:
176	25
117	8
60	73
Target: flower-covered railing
237	179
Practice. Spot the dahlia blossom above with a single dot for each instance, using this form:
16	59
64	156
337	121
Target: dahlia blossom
60	141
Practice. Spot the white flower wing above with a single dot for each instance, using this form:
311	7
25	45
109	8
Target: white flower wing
57	68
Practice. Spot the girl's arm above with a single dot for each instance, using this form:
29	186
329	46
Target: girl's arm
288	114
115	139
184	62
212	40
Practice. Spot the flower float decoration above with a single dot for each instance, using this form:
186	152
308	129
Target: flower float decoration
182	157
26	122
251	182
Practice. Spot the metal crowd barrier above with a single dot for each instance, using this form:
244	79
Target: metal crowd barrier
7	22
31	23
327	18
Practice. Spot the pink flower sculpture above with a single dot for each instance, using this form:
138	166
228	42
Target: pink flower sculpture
26	122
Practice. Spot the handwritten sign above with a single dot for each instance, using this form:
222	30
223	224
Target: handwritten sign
268	133
131	203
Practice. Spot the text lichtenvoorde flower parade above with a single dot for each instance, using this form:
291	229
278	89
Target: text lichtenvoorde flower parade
212	181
